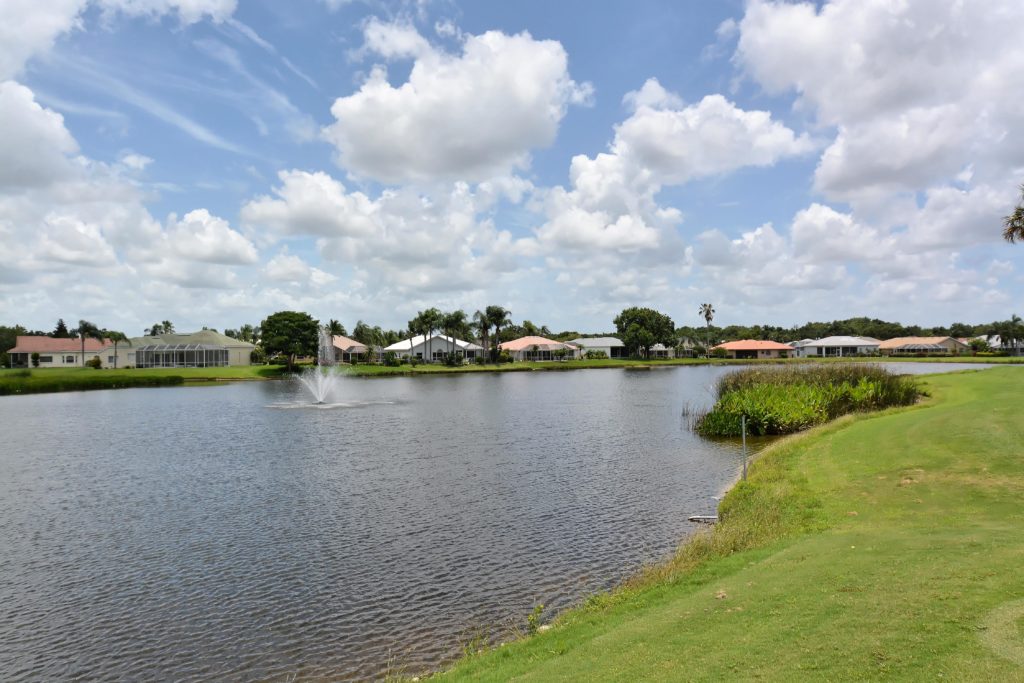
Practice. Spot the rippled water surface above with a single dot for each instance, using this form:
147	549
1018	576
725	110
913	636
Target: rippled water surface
207	533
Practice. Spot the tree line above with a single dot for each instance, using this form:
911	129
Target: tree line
294	334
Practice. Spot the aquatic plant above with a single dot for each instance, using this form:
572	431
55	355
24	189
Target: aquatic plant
790	399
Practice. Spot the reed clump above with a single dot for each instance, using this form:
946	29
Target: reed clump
790	399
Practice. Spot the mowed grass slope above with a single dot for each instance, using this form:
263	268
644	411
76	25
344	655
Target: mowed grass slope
882	547
45	380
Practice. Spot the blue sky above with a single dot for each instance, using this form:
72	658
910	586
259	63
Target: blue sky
212	161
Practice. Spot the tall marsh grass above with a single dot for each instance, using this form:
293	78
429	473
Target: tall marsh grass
783	400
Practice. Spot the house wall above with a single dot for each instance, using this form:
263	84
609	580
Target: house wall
61	359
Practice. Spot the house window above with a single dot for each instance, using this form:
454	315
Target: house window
45	359
69	359
110	359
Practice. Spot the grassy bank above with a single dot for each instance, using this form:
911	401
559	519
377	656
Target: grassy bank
882	546
783	400
47	380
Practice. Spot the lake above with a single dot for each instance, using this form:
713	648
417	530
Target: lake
223	533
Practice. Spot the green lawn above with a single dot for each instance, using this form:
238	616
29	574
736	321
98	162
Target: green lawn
43	380
884	547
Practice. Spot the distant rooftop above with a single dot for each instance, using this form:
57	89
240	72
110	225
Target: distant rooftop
753	345
590	342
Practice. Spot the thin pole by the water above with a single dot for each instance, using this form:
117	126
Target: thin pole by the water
743	422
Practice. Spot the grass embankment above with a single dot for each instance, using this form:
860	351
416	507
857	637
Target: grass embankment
784	400
47	380
884	546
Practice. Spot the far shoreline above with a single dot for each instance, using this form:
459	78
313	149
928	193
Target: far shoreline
13	382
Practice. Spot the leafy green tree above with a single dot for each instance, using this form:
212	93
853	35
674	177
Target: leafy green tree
168	327
87	329
9	336
61	330
642	328
1013	224
292	334
117	338
155	330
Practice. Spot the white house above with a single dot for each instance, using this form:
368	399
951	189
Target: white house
434	348
659	350
841	346
799	347
612	347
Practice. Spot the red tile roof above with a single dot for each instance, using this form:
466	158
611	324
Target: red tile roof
527	343
753	345
34	344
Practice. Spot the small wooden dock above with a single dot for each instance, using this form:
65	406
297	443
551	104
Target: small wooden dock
703	519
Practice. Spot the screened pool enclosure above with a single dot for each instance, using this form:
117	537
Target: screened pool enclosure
180	356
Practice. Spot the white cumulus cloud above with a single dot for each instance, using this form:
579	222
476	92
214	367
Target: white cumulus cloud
470	116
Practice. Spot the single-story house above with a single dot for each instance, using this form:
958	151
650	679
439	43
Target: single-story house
799	347
659	350
202	349
434	347
754	348
841	345
346	349
612	347
904	345
58	353
1009	346
538	348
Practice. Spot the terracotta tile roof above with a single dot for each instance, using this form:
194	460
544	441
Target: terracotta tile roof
346	344
753	345
897	342
527	343
34	344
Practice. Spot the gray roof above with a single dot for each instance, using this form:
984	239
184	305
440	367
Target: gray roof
842	340
596	342
207	338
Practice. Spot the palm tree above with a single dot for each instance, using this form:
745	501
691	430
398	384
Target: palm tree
708	313
431	320
168	327
87	329
499	318
1013	225
453	323
155	331
117	338
335	328
483	327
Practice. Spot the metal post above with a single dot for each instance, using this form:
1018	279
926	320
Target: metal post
744	424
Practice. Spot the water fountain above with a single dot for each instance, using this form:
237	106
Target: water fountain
321	380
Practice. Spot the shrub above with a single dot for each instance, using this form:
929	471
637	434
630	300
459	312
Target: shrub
719	353
392	360
95	363
595	355
786	400
35	359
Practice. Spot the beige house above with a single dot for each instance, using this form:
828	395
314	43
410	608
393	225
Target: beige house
346	349
203	349
59	353
755	349
912	345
